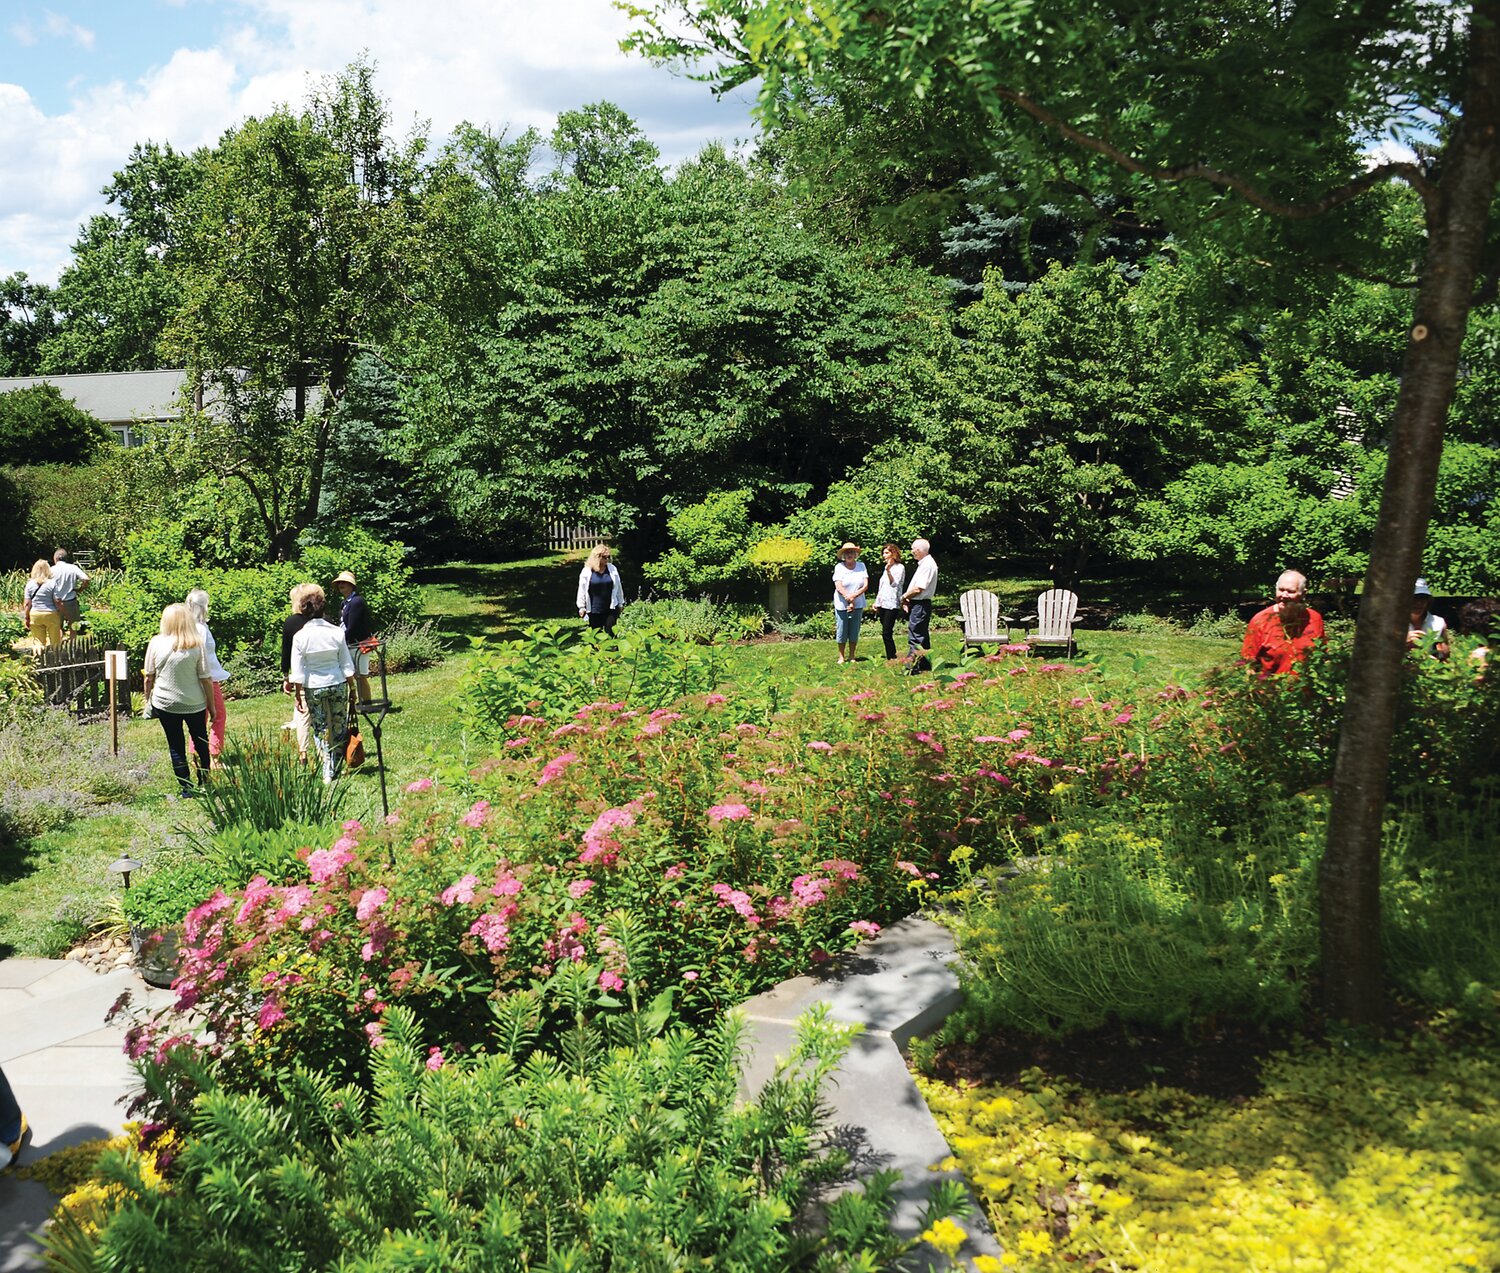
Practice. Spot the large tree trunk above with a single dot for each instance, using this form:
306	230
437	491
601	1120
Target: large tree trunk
1457	218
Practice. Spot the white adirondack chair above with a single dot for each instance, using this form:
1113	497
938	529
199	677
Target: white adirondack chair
979	615
1055	611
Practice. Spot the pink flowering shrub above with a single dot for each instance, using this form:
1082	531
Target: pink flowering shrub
682	850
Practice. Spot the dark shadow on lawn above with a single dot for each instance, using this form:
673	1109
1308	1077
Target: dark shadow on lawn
511	596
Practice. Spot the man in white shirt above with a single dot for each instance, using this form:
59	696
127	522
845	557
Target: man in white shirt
917	601
68	581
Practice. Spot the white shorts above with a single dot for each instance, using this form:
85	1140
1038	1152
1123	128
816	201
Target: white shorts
361	661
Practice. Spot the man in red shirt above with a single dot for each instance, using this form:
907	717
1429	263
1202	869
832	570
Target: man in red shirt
1279	637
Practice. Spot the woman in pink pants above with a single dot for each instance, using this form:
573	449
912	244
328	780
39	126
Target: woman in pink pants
197	602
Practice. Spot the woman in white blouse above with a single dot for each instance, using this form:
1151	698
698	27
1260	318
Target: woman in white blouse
197	602
888	596
178	690
321	674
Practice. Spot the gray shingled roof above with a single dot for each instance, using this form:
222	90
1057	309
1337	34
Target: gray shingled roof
116	397
124	397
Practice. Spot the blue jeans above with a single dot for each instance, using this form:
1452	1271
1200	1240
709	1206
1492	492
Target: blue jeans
328	709
846	625
10	1113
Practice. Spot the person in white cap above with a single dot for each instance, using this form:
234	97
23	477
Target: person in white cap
1423	623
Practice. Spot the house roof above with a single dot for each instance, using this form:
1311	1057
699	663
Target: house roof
127	397
116	397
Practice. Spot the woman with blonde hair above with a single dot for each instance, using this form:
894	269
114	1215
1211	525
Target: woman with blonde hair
40	613
197	602
601	595
179	692
290	626
322	671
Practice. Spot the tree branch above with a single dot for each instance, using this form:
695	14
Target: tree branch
1412	174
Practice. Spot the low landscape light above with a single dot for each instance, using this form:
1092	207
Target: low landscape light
124	866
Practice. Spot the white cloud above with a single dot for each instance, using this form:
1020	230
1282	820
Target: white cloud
506	63
66	29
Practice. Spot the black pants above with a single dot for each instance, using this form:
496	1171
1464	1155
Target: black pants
197	727
604	619
888	619
918	618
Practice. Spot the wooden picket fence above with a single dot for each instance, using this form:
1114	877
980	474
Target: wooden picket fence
560	535
72	676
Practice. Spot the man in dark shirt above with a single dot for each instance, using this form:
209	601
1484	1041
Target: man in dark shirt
359	629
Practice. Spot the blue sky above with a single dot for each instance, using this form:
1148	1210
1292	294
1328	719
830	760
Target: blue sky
81	81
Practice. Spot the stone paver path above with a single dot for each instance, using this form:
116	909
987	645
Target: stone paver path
68	1072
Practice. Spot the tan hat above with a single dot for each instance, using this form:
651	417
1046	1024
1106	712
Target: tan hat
848	548
346	577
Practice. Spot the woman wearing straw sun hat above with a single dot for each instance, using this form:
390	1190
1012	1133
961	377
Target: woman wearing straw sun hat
851	583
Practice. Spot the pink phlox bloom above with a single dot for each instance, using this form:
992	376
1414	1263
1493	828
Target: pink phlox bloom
1018	735
988	738
927	740
775	771
1016	671
1031	758
517	742
556	767
1124	718
942	779
1053	667
963	678
611	980
1078	702
370	901
747	729
324	864
818	955
779	907
757	788
690	975
379	939
493	931
460	893
523	721
192	924
861	696
909	867
391	819
908	802
319	939
926	687
650	731
936	705
840	868
809	890
478	814
665	715
376	1037
1014	647
872	716
600	853
572	727
865	928
257	891
729	813
994	776
434	1058
715	700
506	884
1092	738
819	745
578	888
270	1013
885	795
736	898
421	784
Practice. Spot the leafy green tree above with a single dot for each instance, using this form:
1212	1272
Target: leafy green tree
292	251
27	319
1250	123
116	296
39	426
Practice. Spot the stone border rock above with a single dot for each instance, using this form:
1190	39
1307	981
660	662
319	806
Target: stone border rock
898	987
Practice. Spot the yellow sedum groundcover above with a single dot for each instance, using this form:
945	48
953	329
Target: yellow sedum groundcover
1347	1160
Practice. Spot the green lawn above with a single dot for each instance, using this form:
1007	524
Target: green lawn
48	883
